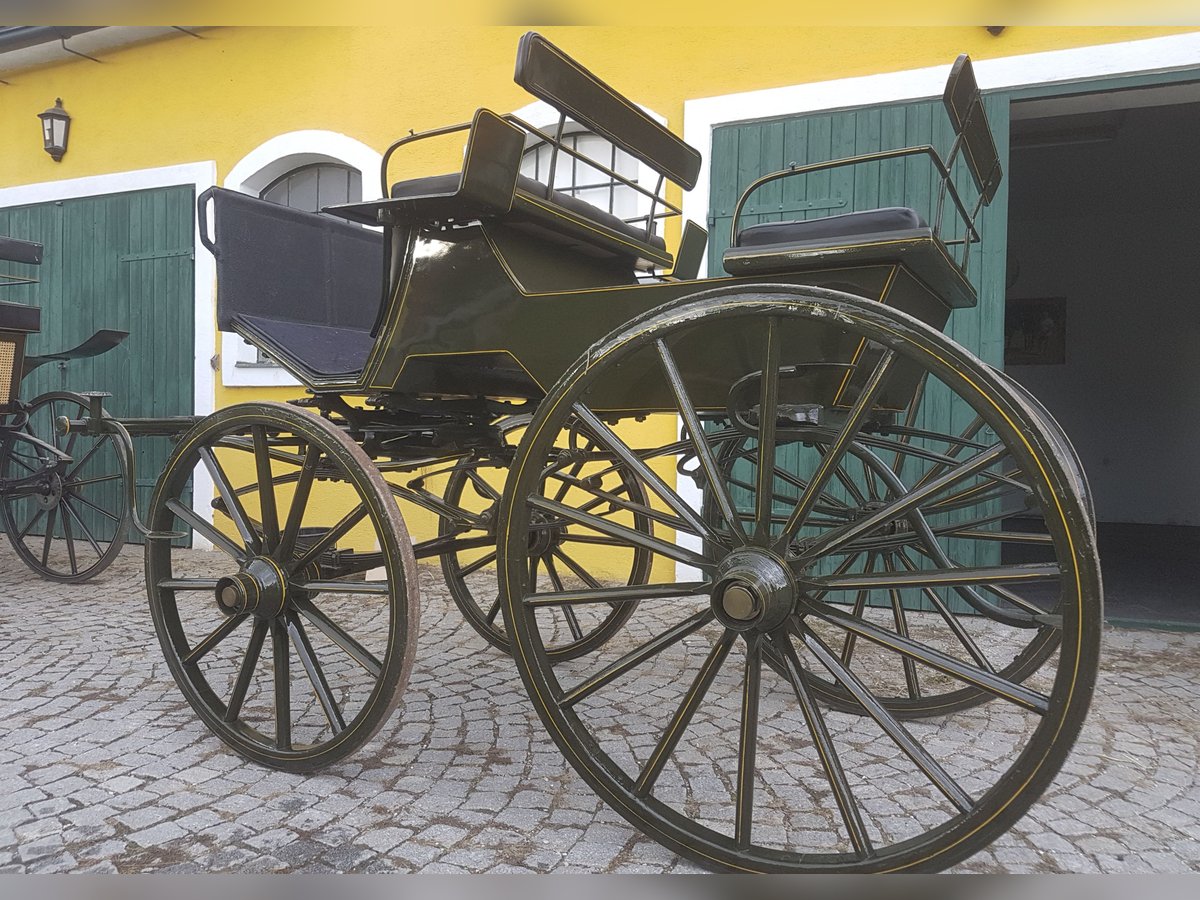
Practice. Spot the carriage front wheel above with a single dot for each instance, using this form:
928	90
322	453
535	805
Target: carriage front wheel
897	527
310	558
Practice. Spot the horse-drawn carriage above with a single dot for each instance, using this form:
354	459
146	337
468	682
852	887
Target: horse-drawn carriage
794	581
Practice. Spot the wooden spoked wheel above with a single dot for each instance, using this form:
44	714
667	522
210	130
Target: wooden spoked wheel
559	550
706	722
71	522
293	637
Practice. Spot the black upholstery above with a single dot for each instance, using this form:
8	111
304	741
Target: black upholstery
872	221
322	351
444	184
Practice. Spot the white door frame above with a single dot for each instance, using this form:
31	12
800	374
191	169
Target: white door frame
201	176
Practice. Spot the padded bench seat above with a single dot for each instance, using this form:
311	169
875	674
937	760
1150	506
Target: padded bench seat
322	352
888	235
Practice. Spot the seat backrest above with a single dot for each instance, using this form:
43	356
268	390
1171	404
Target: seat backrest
550	75
964	106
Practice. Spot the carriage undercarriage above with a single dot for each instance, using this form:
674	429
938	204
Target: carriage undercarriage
770	516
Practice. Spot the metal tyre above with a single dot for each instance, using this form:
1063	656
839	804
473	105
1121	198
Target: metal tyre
310	553
678	724
73	524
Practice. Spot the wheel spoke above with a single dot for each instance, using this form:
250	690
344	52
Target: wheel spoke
316	675
344	587
214	638
69	538
266	487
209	531
478	564
683	715
308	471
823	743
329	538
29	526
935	659
568	613
629	535
87	532
283	686
83	460
50	519
839	537
891	726
901	620
246	672
704	454
952	577
579	571
636	657
77	483
232	503
339	636
748	743
96	508
188	584
829	463
632	593
642	470
951	620
493	611
768	410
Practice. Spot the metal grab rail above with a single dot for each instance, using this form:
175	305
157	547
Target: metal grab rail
656	197
948	188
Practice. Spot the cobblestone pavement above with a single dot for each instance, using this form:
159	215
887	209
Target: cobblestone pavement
104	767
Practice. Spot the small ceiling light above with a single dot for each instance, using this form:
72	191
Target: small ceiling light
55	126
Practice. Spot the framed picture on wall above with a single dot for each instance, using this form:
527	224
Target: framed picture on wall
1035	331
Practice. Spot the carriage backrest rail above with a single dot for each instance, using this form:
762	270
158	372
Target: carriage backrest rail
972	134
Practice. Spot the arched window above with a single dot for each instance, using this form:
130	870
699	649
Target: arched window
315	186
576	178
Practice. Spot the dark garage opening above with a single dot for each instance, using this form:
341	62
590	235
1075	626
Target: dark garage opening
1103	323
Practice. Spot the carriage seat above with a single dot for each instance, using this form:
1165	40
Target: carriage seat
894	234
560	218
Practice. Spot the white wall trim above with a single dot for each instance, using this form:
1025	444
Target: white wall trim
202	176
252	173
702	115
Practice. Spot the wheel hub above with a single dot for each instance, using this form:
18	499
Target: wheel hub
543	536
50	493
754	591
261	587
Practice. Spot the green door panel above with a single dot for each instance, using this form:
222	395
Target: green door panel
744	152
122	261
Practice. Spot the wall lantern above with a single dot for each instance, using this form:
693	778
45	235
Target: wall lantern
55	126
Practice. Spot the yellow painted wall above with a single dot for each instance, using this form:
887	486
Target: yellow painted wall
183	100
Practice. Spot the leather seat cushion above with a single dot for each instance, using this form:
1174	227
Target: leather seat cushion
872	221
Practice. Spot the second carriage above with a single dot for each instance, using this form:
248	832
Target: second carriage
794	581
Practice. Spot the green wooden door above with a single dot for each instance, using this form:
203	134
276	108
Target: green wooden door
122	261
744	152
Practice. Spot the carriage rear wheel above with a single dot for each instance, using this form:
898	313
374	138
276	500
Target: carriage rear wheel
73	523
310	552
558	550
868	588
